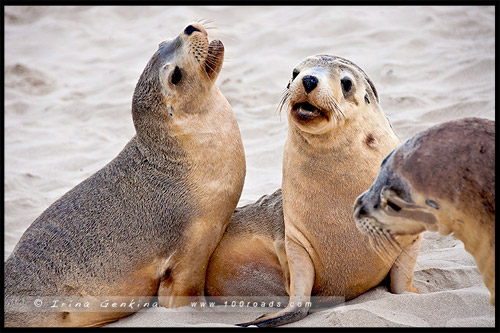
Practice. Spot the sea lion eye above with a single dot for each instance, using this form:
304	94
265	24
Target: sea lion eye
295	73
393	205
346	84
176	75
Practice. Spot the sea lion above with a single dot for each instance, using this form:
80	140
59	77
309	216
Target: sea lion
147	222
337	135
442	179
250	259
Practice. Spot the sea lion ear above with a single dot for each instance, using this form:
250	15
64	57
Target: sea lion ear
367	98
164	42
370	82
431	203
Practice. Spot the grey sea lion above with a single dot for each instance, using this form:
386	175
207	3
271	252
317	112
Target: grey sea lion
146	223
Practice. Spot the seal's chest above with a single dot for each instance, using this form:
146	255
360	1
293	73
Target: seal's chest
213	144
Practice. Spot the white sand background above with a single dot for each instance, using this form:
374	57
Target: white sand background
70	73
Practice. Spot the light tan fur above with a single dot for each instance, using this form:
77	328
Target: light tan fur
330	157
214	149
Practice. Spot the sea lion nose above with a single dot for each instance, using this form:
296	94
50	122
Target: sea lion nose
190	29
310	82
358	203
361	211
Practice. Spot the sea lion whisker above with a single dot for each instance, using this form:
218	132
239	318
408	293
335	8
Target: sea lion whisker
378	244
203	67
212	60
215	33
204	21
376	241
206	72
393	243
382	248
332	106
284	100
382	253
336	106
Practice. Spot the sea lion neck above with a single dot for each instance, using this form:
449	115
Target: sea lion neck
333	141
162	155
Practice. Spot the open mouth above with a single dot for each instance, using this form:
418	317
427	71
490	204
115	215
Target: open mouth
215	57
306	111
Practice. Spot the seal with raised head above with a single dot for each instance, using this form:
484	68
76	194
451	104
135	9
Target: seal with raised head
442	179
147	222
337	135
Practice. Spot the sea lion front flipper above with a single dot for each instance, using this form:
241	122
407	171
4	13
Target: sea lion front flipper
301	282
184	279
285	316
401	273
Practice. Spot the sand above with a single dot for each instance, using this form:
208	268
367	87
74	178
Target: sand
70	73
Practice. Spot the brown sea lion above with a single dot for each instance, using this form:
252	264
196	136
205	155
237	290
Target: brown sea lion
337	135
442	179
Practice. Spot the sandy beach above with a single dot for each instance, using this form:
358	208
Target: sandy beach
70	73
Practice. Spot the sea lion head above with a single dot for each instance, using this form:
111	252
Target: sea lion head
391	204
326	91
433	176
177	80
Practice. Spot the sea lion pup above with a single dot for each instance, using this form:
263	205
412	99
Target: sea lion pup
337	135
442	179
147	222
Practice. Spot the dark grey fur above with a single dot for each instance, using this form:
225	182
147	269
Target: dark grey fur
129	212
263	217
